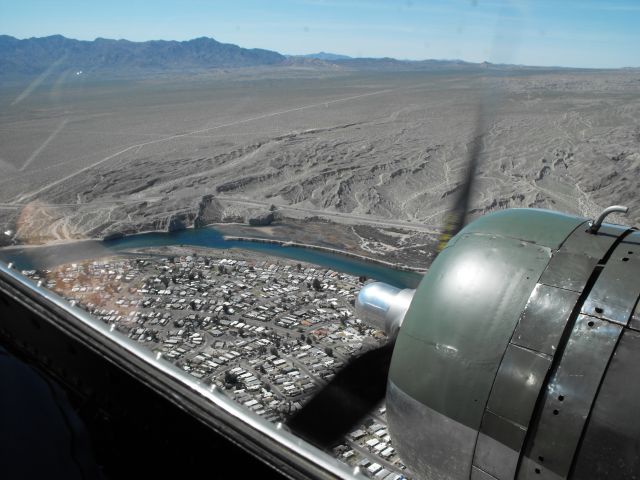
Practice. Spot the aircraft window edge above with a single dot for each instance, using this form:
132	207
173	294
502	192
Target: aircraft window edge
251	423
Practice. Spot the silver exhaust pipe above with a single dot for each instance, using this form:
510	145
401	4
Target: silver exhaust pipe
383	306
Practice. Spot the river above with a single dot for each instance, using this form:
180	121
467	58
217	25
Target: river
48	256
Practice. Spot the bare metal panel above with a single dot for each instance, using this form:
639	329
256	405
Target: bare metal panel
498	446
569	270
517	384
568	399
633	242
633	248
616	291
533	469
611	446
509	409
477	474
544	318
592	245
635	317
572	265
435	445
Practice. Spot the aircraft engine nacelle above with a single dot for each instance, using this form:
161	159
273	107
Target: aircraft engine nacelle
519	355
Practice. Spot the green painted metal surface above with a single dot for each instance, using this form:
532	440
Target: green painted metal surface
542	227
466	308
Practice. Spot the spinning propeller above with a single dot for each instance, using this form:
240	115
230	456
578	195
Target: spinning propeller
361	384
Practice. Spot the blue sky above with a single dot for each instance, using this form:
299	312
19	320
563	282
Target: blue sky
583	33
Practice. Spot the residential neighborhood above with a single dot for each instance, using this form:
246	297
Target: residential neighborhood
267	331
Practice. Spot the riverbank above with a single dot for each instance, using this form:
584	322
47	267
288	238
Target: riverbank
46	257
363	258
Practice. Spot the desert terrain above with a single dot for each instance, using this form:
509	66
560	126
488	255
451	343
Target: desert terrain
377	156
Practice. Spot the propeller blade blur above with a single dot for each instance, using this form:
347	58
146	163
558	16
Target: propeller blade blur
346	400
361	384
456	218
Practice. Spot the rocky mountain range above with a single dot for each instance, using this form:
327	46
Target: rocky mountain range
106	57
34	55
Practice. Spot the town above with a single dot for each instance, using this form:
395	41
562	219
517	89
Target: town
268	331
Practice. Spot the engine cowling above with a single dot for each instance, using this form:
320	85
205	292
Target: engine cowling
520	352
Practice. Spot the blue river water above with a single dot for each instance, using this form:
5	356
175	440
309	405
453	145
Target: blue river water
48	256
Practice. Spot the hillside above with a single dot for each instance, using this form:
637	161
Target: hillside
36	55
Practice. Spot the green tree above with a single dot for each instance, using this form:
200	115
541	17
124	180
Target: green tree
230	378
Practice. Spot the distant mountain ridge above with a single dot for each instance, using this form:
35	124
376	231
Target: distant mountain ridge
325	56
34	55
105	57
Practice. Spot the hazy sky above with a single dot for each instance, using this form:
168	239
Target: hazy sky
584	33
